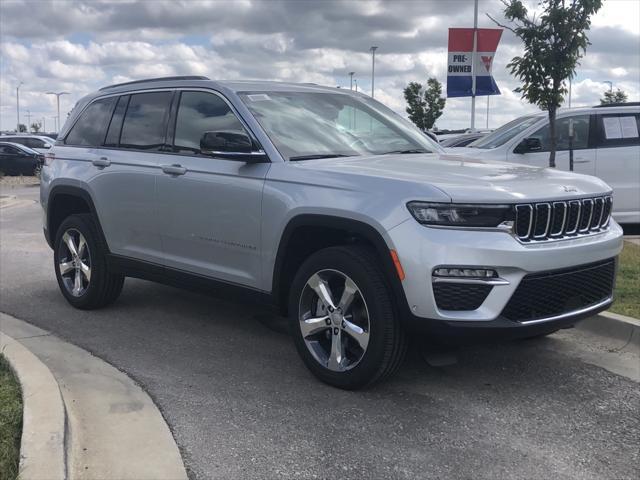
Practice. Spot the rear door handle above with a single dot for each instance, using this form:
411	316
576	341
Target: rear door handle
582	161
174	169
101	162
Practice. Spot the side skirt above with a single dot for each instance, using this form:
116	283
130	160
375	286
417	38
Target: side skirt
130	267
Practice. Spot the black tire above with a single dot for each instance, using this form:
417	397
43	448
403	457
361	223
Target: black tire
387	343
103	287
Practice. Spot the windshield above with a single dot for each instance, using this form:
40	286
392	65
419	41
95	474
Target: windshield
505	132
308	125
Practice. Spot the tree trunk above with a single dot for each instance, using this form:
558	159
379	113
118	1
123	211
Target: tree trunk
552	137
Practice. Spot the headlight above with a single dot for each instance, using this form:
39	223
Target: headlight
458	215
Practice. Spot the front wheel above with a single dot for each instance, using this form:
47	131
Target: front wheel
81	266
343	319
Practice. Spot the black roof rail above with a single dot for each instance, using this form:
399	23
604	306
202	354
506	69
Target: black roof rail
618	104
159	79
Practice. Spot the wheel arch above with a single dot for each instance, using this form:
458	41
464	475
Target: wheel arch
340	231
65	200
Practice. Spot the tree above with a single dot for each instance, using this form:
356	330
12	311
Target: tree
424	105
554	41
618	96
22	128
35	127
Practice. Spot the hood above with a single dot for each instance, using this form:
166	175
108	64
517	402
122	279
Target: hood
466	179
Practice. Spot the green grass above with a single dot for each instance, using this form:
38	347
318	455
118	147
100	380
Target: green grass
627	293
10	422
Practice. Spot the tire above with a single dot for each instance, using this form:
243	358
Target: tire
96	287
372	311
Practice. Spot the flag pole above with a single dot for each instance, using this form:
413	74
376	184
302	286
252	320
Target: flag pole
473	66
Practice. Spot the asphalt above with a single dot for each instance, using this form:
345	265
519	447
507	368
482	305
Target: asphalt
240	404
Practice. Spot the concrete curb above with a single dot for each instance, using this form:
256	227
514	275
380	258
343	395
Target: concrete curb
42	447
614	326
114	430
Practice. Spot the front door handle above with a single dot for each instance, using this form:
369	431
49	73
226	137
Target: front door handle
174	169
101	162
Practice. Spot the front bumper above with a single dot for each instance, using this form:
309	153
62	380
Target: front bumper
421	249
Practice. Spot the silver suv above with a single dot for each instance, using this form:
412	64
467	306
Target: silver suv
326	204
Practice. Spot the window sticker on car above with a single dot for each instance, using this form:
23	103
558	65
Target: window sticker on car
612	127
620	127
629	127
258	97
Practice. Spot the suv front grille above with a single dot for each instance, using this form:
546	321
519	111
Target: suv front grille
545	295
554	220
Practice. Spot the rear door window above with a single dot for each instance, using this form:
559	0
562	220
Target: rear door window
90	128
145	121
618	130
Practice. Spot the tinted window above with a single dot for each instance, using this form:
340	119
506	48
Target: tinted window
201	112
8	149
34	143
19	140
90	127
115	127
618	130
145	120
580	133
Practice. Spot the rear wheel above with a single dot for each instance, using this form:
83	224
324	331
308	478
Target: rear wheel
343	320
81	266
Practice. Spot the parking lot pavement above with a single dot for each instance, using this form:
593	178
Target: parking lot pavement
241	405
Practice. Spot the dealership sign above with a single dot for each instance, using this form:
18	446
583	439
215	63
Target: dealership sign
462	68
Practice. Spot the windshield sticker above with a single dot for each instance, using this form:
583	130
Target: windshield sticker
258	97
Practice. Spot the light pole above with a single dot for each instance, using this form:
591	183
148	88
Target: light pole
57	94
373	68
351	74
18	107
28	115
610	85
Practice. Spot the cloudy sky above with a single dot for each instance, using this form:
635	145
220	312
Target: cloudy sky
78	46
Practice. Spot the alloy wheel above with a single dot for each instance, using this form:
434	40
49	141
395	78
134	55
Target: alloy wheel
334	320
74	262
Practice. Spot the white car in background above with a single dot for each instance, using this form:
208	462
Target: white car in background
606	144
39	143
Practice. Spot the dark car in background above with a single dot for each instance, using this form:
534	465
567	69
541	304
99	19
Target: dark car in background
39	143
16	159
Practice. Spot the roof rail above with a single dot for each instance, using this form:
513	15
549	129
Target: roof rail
159	79
618	104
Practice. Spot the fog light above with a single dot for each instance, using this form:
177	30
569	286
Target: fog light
457	272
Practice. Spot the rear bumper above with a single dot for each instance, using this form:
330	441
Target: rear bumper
457	332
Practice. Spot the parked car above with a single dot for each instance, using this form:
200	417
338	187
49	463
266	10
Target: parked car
16	159
463	140
39	143
606	144
326	204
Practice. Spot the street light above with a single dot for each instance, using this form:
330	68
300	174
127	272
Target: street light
57	94
351	74
610	85
373	68
18	107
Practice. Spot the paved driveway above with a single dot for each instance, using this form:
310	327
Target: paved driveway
241	405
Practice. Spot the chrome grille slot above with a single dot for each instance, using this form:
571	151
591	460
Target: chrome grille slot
562	219
558	219
542	221
587	213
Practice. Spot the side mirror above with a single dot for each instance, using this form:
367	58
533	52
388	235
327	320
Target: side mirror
231	145
530	144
